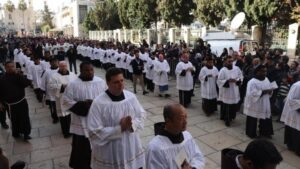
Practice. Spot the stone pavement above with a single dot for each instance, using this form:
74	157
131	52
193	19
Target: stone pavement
49	150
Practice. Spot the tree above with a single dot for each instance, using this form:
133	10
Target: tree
232	7
106	15
22	6
89	21
210	12
295	5
123	6
47	17
9	6
177	12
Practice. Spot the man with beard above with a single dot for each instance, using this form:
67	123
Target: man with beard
208	78
257	104
77	98
57	83
12	94
50	99
229	80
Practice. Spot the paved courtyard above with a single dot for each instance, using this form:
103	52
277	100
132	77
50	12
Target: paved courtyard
49	150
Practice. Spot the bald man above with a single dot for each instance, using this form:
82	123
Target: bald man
57	84
174	147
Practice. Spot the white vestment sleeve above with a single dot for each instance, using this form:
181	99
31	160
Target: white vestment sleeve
99	134
178	69
253	92
202	75
197	160
294	99
155	160
68	101
55	85
221	79
140	115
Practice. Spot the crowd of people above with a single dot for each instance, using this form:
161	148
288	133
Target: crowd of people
104	118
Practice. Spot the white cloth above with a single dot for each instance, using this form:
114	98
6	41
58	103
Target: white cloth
45	84
290	116
184	82
79	90
161	153
209	87
35	74
257	105
150	69
111	148
55	83
161	70
229	95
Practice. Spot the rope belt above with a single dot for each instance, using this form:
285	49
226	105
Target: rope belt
12	104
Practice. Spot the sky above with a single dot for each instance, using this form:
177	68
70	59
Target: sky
39	4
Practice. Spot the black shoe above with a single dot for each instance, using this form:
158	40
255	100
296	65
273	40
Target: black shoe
159	95
145	92
227	123
26	137
134	91
55	121
4	125
167	95
67	136
16	135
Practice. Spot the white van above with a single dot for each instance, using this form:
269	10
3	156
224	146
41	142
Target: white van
238	45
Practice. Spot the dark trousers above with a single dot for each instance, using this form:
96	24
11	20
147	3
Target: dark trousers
81	153
39	94
265	127
185	97
228	112
19	117
2	117
292	139
65	122
52	107
72	64
150	84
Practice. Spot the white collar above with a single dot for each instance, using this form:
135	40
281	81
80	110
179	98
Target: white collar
238	162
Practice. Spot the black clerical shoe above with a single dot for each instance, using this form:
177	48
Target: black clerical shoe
16	135
145	92
159	95
54	121
26	137
4	125
167	95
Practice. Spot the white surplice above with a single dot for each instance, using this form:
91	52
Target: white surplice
111	148
56	81
161	70
45	84
35	73
290	116
79	90
257	105
229	95
184	82
162	153
208	84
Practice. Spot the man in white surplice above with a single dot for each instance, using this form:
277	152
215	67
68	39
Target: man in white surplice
291	118
77	98
161	69
57	83
257	104
173	147
229	79
208	77
114	120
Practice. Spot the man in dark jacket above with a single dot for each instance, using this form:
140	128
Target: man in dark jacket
138	67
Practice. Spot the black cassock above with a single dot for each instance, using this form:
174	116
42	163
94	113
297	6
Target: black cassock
292	139
12	94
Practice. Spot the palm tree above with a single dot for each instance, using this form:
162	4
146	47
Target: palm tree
22	6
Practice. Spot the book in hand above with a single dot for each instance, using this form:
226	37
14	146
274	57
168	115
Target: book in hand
181	158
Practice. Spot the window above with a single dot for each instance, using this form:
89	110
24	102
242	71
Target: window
82	12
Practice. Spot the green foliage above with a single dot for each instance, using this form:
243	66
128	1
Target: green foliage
123	6
261	12
47	17
9	6
89	22
210	12
233	7
106	15
177	12
22	5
